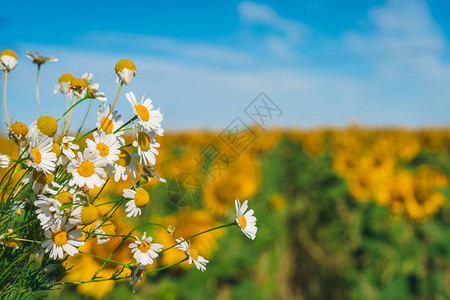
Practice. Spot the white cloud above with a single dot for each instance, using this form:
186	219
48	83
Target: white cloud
283	33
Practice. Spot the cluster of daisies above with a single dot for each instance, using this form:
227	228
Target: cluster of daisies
144	251
60	174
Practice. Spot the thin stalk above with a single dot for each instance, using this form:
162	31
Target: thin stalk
191	237
87	133
85	117
104	258
70	115
73	105
114	103
37	90
4	99
128	122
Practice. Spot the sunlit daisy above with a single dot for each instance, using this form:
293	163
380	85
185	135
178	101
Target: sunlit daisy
199	261
125	70
245	220
92	89
39	59
124	165
42	158
63	84
8	60
109	122
5	161
137	276
144	250
146	145
148	118
44	125
139	199
83	214
87	169
106	145
62	238
48	211
68	147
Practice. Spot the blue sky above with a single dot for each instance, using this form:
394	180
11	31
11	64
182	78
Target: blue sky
322	62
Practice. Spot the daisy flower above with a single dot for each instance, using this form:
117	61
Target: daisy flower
137	276
83	214
39	59
63	84
245	220
144	250
110	125
199	261
146	144
148	118
125	70
87	169
106	145
41	156
8	60
92	90
62	238
48	211
124	165
5	161
44	125
139	199
68	146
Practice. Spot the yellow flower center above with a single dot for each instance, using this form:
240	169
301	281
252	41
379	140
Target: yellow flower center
143	141
144	246
107	125
19	128
194	254
86	169
124	158
66	77
47	125
142	112
141	198
78	84
41	178
89	214
91	93
64	197
66	145
36	154
109	228
9	53
125	64
56	149
60	237
103	150
242	221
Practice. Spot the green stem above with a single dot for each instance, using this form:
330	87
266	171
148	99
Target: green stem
70	108
191	237
85	117
101	190
37	90
131	144
104	258
4	99
87	133
129	121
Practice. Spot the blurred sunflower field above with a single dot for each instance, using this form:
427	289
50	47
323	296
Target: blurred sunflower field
343	213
